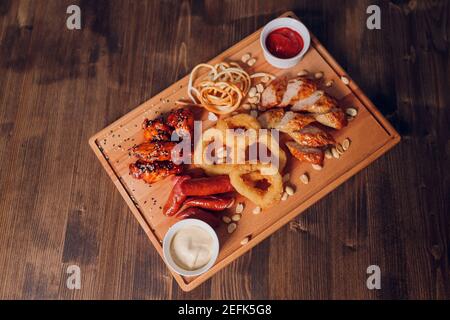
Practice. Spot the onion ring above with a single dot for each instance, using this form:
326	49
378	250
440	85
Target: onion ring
246	178
210	136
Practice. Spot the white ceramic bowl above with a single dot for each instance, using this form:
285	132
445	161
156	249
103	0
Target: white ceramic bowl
293	24
168	239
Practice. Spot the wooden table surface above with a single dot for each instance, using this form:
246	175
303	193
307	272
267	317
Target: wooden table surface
58	207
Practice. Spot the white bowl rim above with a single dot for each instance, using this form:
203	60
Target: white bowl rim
278	23
168	239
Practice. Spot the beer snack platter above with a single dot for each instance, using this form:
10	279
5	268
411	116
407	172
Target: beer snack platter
368	134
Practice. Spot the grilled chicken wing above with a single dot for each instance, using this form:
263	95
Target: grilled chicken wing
312	136
273	94
308	137
154	150
297	90
306	154
272	118
156	130
303	95
152	172
335	118
285	121
182	120
318	102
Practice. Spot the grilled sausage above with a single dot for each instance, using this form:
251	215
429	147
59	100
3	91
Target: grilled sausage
206	186
176	197
197	213
214	203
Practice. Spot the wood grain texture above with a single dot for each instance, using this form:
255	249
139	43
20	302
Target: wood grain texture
57	208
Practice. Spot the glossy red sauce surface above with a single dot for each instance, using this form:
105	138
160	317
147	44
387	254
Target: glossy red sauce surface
284	43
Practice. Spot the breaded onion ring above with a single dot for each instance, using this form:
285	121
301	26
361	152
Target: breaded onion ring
246	179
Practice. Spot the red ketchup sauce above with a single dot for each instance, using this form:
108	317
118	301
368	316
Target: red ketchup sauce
284	43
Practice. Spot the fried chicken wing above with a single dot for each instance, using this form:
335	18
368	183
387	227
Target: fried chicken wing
182	120
156	130
154	150
152	172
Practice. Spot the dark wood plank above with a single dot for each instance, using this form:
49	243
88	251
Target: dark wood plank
58	208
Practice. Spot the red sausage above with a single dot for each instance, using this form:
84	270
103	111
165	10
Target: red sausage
176	197
214	203
206	186
197	213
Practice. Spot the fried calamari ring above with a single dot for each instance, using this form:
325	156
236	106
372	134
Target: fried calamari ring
210	137
244	141
249	181
239	121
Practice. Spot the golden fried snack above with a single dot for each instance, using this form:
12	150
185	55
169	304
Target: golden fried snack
239	132
263	190
214	138
239	121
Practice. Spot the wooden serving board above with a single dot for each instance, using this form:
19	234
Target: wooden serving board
371	136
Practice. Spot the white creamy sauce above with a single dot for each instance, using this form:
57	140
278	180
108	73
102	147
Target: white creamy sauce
191	248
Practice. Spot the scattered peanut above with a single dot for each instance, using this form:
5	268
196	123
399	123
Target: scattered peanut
251	62
328	154
239	207
252	92
259	87
329	83
304	178
303	73
254	99
317	167
345	80
245	240
245	57
289	190
335	153
226	219
265	79
236	217
339	149
284	196
346	144
231	227
318	75
257	210
352	112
